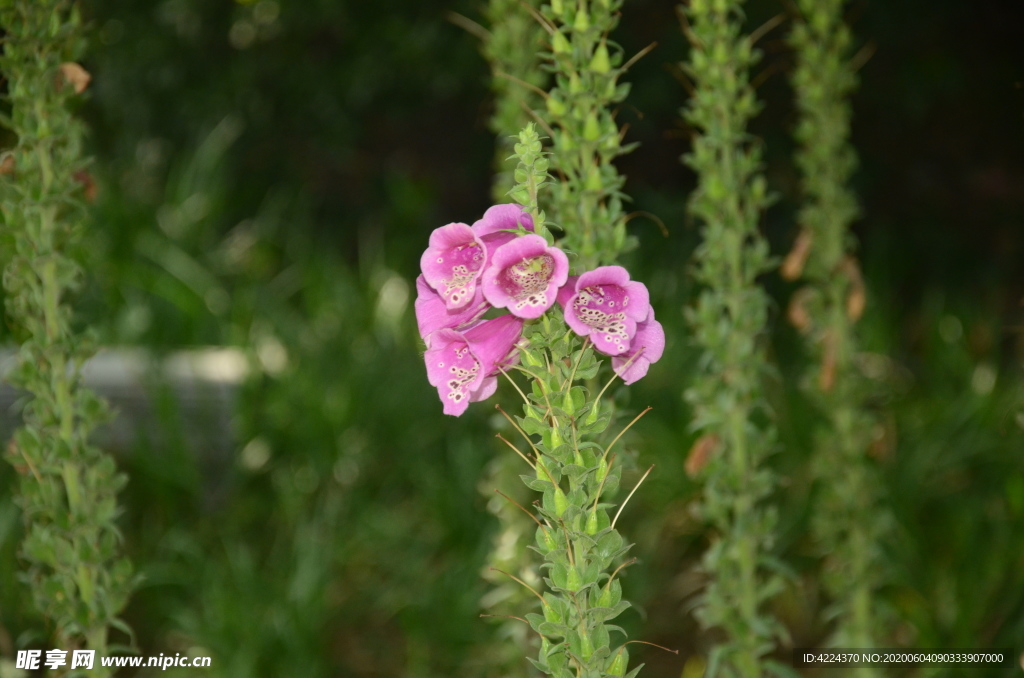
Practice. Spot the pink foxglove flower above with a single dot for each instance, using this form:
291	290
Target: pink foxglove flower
647	347
524	275
463	364
495	227
606	307
432	314
452	264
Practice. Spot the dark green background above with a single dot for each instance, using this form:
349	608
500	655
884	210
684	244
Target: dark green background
265	173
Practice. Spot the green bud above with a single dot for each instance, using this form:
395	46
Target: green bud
602	469
605	599
551	614
592	522
601	63
591	129
618	664
593	182
586	645
572	580
575	86
542	470
557	6
582	23
555	106
559	44
561	504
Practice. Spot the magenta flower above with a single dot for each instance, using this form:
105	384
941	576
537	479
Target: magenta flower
463	364
494	227
524	275
452	264
606	307
647	347
432	314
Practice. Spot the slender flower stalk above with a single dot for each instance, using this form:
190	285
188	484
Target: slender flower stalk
68	487
512	47
729	325
849	523
587	199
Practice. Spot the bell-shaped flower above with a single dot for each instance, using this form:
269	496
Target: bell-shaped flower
452	264
463	364
524	275
647	347
606	307
432	314
498	225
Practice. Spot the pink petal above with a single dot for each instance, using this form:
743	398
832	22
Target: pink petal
649	343
452	264
454	370
432	314
567	291
493	340
524	275
503	217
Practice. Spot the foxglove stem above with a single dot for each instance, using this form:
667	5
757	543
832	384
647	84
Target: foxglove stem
67	487
578	540
512	49
729	323
849	523
587	204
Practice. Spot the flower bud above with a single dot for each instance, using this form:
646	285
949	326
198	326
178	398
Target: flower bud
591	129
573	581
592	523
559	45
582	22
586	645
601	63
561	504
619	662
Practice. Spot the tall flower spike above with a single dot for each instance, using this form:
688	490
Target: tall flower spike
463	365
606	307
495	227
432	314
524	276
647	347
452	263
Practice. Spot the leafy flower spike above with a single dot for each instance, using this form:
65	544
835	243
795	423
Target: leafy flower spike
524	276
496	226
647	347
432	314
463	364
606	307
452	263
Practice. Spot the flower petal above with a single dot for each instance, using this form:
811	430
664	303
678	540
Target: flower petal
432	314
647	347
453	263
524	275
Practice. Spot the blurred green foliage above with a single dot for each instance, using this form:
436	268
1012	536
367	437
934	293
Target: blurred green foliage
268	174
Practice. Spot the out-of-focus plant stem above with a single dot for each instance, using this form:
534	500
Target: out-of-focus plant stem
729	323
850	519
68	487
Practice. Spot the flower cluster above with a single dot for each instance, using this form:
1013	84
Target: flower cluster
500	262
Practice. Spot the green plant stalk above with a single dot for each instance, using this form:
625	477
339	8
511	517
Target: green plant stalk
729	323
67	487
849	524
587	199
512	47
575	534
573	474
